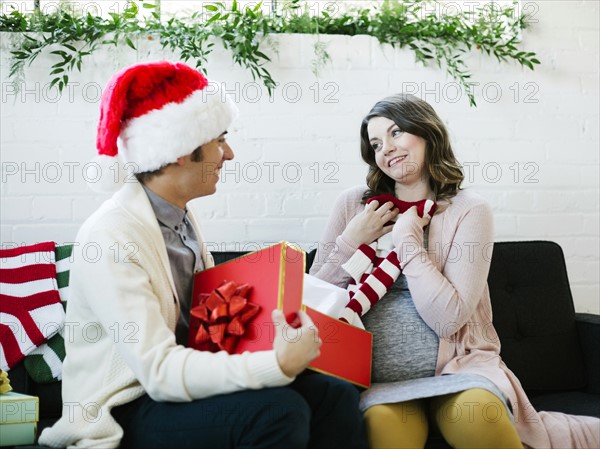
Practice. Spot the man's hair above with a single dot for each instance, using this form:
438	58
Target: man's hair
414	116
144	177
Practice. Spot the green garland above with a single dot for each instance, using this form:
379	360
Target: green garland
442	39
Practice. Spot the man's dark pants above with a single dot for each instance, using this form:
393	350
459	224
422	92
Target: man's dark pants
315	412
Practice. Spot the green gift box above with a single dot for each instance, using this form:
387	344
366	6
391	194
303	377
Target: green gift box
18	418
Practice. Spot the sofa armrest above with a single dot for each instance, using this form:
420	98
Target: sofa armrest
588	326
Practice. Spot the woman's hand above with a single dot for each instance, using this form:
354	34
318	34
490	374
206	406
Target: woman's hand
407	234
409	223
370	224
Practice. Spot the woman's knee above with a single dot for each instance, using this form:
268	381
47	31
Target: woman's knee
401	425
475	418
475	405
400	413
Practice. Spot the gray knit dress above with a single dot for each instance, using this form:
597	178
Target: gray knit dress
405	352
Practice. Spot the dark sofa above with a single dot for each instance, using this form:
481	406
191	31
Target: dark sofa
551	349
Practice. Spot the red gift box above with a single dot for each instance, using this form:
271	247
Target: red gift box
272	278
346	351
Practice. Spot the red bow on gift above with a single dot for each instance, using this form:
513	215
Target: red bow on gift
223	315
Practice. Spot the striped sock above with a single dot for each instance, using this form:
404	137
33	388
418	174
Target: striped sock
373	275
373	288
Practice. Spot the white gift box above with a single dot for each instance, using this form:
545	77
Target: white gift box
326	298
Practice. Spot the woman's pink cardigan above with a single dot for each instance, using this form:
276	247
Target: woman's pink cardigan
448	284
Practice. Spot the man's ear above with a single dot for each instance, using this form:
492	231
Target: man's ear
181	161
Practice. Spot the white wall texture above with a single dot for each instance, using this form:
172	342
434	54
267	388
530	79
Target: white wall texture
530	146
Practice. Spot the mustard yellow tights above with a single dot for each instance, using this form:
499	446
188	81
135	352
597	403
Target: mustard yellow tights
472	418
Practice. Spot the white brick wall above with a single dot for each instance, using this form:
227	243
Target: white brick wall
531	145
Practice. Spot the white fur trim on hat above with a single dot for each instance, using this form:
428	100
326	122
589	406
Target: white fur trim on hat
161	136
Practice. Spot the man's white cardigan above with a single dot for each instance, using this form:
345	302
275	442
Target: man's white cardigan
119	339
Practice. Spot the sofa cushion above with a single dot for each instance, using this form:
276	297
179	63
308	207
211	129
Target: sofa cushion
572	402
534	315
223	256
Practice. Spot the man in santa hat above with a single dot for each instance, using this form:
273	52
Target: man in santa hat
133	383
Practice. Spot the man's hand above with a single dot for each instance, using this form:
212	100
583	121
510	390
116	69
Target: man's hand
369	225
295	347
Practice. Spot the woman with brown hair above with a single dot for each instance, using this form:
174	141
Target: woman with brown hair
414	250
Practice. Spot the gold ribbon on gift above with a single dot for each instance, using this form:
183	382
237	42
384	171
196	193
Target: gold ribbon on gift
224	314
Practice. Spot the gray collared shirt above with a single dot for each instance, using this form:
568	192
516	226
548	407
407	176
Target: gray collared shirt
183	250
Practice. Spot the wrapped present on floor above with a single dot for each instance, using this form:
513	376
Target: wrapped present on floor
232	304
18	418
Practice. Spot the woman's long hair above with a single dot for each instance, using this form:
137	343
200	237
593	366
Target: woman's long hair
417	117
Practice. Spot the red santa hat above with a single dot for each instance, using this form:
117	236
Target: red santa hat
153	113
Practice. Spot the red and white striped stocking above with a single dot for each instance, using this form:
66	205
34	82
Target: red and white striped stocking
374	268
30	306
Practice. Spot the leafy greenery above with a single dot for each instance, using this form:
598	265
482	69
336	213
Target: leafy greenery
443	39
